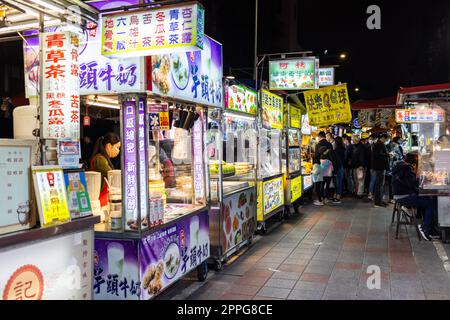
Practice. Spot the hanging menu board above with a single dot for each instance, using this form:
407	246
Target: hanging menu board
272	110
15	185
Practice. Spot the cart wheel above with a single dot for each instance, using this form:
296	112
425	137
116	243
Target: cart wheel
202	271
262	229
297	208
281	215
218	266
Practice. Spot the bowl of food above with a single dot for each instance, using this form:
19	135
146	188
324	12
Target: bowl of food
180	70
172	260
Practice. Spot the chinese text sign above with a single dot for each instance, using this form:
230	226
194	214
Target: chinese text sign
328	106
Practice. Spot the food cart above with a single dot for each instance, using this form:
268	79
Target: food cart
46	226
157	227
292	155
269	170
232	153
427	114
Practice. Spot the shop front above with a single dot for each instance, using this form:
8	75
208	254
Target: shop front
232	153
46	223
426	114
156	229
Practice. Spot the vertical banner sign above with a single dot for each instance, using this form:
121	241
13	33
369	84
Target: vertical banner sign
61	100
142	119
130	163
316	73
272	110
198	161
155	31
328	106
295	117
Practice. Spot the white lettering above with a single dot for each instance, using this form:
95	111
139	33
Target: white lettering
374	21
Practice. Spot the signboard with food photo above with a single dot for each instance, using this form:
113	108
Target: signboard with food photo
238	218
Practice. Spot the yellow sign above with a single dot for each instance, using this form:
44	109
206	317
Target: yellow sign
296	117
296	188
259	210
154	31
51	196
329	105
273	194
272	110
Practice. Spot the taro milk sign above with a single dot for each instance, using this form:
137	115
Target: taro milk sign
130	162
60	96
97	74
156	31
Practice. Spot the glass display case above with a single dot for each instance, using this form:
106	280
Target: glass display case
292	155
231	147
158	215
270	173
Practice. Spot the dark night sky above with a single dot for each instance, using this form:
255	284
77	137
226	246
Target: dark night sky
413	47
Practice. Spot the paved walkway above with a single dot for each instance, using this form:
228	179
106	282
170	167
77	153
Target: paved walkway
324	254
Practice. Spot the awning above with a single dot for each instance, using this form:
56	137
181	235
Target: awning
427	92
383	103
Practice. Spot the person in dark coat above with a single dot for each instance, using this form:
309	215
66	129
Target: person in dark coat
380	163
339	171
350	186
359	163
405	185
322	143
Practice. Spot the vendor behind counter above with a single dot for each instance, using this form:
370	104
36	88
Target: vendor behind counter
106	148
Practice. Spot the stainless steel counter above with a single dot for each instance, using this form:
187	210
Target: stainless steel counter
41	233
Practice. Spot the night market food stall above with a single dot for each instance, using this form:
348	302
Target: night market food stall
299	74
292	168
269	170
426	112
157	228
46	224
232	153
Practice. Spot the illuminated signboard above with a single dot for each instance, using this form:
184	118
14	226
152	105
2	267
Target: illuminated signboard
156	31
292	74
326	77
419	115
61	99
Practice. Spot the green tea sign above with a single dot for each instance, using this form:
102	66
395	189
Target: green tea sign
292	74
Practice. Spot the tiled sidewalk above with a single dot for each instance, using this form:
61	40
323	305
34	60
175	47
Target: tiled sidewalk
324	254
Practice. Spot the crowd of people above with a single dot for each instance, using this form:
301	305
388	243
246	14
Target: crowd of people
369	169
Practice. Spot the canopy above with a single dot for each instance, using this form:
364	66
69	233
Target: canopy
383	103
428	92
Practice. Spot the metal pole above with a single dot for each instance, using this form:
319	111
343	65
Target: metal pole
255	73
40	89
